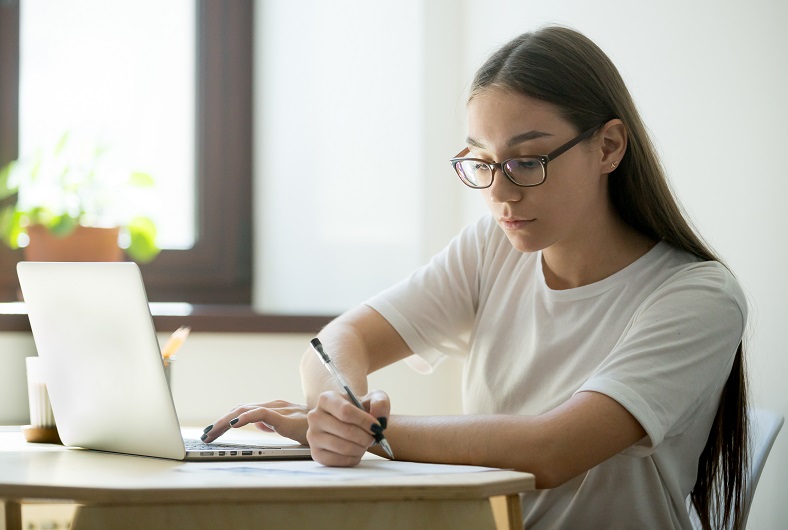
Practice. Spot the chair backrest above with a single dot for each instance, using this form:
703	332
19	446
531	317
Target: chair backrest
764	427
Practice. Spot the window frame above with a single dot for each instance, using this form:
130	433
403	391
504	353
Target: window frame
218	269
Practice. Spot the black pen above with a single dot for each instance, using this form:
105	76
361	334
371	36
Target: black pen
318	347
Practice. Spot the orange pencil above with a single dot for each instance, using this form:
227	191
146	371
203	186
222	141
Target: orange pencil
176	341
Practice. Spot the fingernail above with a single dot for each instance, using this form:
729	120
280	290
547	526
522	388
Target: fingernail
208	428
234	421
383	422
376	429
203	437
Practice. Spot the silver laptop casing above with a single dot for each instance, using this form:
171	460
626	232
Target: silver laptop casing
93	329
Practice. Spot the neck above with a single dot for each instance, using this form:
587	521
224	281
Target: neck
590	259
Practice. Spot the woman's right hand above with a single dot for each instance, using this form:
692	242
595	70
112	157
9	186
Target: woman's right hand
339	433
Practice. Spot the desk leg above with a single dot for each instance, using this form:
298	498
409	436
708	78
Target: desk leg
508	512
381	515
13	515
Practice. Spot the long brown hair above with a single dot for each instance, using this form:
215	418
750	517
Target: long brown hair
561	66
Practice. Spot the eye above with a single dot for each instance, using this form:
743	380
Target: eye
525	171
523	164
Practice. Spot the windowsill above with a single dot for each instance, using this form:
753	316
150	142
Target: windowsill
201	318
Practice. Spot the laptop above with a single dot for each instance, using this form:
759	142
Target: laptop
93	329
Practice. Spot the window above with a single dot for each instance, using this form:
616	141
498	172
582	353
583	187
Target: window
217	269
85	71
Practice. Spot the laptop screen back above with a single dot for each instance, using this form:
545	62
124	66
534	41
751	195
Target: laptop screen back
93	330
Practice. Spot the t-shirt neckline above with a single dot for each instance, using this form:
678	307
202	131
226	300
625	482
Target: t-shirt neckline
604	285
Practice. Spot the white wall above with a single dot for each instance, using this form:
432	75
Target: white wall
356	119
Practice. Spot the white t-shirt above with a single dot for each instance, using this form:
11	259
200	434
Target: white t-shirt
658	336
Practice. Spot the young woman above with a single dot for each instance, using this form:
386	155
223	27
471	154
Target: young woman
601	337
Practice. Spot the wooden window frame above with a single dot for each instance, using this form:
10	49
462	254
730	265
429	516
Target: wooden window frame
218	269
216	274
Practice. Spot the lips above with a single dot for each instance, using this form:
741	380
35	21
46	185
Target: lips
514	223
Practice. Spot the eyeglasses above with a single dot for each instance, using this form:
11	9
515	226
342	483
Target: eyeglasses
524	171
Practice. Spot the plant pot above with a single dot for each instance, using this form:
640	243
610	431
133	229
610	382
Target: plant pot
83	244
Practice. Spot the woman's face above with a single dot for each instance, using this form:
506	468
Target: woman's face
566	207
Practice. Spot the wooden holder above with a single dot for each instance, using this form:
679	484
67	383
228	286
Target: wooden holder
44	435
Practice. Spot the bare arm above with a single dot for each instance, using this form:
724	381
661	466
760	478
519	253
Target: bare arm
557	446
359	342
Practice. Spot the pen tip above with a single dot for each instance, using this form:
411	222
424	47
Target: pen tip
386	447
316	343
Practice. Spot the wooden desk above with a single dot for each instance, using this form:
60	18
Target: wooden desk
125	492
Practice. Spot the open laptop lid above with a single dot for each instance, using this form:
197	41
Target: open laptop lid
92	327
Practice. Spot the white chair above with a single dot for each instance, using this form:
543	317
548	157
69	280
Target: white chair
764	427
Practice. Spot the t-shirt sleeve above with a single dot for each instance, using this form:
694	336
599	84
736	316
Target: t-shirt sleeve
434	308
676	352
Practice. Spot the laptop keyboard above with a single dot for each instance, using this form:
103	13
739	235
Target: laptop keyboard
199	445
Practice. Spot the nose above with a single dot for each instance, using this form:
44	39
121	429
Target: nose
502	189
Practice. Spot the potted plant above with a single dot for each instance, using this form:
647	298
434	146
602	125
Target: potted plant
74	195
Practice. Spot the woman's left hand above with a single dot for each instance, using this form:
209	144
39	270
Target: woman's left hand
282	417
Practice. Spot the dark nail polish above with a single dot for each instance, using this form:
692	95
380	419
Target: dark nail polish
383	422
203	437
208	428
376	429
234	421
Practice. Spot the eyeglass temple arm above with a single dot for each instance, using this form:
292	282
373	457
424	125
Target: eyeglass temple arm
567	146
462	153
560	150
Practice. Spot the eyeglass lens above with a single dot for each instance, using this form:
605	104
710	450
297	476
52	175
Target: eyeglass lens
523	171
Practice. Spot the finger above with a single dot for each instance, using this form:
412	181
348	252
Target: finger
258	415
332	450
321	422
222	425
263	426
328	458
378	405
340	407
325	441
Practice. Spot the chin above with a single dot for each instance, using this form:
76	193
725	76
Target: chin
524	244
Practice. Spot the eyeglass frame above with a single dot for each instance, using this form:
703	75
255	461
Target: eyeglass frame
543	160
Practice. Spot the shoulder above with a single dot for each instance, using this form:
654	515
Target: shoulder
696	285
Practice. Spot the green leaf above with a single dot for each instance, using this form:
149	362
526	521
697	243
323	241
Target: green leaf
142	232
141	180
5	175
10	226
61	143
62	225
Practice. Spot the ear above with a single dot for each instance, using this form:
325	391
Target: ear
613	135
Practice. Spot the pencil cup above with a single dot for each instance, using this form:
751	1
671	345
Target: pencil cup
42	421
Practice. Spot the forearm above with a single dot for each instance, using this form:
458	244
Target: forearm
348	354
556	446
359	342
483	440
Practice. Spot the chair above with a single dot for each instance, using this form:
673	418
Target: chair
764	427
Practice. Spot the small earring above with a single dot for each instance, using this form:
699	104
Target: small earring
613	165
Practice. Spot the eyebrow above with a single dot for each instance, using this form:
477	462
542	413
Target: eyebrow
515	140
